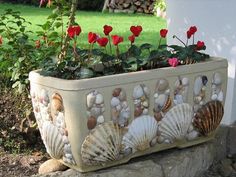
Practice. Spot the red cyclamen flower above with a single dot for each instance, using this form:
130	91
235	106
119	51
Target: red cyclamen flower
193	30
163	33
132	38
173	62
92	37
189	34
117	39
200	45
37	44
136	30
102	41
107	29
1	40
74	31
42	1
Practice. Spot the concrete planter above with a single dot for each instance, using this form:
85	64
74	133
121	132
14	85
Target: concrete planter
100	122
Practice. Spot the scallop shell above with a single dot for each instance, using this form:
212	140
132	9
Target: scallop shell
102	145
176	122
53	140
208	118
141	132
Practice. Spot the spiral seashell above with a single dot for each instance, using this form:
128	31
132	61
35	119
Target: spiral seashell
188	61
176	122
141	132
102	145
53	140
167	105
208	118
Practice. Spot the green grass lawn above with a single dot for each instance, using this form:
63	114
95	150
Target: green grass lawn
94	21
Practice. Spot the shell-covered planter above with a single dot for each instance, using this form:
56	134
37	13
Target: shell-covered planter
100	122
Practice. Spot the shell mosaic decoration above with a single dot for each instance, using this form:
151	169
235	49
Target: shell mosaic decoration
162	100
119	107
95	109
217	92
172	121
199	92
181	90
141	100
51	122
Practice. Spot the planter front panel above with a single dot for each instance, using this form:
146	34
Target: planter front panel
108	120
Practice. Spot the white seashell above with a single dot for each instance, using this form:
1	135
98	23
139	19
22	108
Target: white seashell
102	145
178	99
145	111
122	95
95	111
44	99
161	100
141	132
162	85
99	99
220	96
125	114
156	95
146	91
91	97
201	103
138	92
176	122
145	104
137	102
100	119
197	86
185	81
67	148
167	92
118	107
192	135
53	140
217	79
214	97
115	101
124	104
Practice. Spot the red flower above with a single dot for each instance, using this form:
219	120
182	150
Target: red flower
136	30
200	45
107	29
117	39
173	62
132	38
1	40
163	33
37	44
193	30
189	34
74	31
102	41
92	37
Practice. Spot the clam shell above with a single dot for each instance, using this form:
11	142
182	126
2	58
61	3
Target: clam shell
162	85
197	86
122	95
185	81
91	97
217	79
116	92
91	123
99	99
208	118
53	140
141	132
176	122
102	145
220	96
138	92
167	105
115	101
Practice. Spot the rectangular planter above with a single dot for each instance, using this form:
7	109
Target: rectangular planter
95	123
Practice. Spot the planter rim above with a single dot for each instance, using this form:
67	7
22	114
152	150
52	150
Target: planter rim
118	79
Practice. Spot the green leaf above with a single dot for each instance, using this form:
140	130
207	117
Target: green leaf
134	51
146	46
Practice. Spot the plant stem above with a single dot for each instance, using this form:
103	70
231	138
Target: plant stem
109	39
67	38
159	43
179	40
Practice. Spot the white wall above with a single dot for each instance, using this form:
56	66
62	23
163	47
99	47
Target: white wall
216	22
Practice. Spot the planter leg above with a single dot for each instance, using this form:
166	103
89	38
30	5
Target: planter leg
51	165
